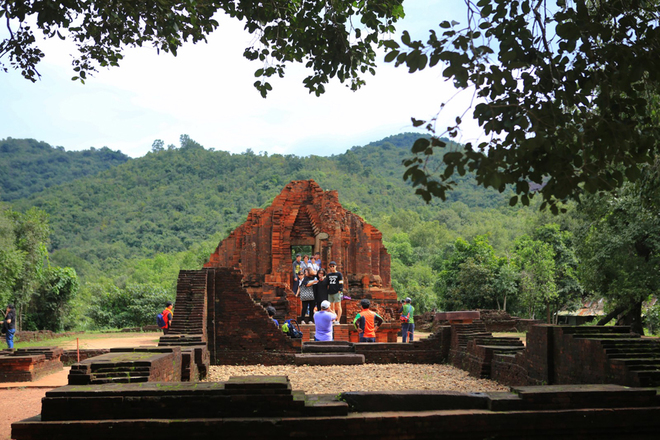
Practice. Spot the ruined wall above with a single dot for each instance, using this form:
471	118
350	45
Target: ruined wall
581	355
239	329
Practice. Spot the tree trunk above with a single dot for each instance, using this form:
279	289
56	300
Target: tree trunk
610	316
504	306
548	315
633	318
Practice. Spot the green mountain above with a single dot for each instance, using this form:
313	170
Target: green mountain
28	166
169	200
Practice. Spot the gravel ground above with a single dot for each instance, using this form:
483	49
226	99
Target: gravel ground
368	377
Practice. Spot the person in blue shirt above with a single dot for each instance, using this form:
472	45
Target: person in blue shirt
271	313
323	320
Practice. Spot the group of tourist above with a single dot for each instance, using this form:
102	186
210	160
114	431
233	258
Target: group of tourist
321	294
314	286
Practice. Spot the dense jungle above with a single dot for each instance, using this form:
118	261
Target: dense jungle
94	239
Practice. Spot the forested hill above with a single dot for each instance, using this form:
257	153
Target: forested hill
28	166
171	199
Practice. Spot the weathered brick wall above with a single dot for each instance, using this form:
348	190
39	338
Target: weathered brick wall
135	364
29	364
554	356
425	351
70	357
509	369
242	332
585	361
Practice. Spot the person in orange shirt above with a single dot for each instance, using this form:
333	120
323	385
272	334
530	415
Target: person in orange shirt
168	314
366	322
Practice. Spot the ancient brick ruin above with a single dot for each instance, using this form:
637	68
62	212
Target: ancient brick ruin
305	215
224	302
267	407
29	364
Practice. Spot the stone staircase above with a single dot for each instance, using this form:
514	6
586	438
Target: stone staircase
329	353
250	396
473	348
128	365
190	306
640	356
464	333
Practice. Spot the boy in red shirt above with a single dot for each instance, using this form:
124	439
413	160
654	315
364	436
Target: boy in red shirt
168	314
366	322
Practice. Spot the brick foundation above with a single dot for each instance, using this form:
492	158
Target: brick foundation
29	364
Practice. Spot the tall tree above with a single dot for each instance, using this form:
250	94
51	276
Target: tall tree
468	275
536	260
619	247
11	258
32	234
564	92
53	300
325	36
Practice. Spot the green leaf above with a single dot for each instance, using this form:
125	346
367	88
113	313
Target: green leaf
417	122
390	56
420	145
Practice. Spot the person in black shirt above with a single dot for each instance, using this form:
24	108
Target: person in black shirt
306	293
9	325
321	289
335	289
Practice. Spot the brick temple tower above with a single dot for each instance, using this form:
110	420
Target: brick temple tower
303	215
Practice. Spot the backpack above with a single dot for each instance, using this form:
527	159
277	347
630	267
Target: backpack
160	320
406	318
291	329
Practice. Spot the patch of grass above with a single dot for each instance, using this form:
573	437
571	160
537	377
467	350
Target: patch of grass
88	335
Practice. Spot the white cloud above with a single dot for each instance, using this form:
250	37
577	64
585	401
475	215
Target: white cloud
207	93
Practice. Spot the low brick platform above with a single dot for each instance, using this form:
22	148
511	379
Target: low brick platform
29	364
70	357
126	365
181	340
464	317
266	407
330	359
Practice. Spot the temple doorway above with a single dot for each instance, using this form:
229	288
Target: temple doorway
302	250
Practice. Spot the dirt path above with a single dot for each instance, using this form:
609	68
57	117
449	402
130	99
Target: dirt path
18	404
23	400
114	341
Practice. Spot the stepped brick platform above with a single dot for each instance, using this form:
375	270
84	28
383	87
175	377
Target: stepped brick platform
190	313
473	348
329	353
194	355
29	364
431	350
581	355
170	340
266	407
128	365
70	357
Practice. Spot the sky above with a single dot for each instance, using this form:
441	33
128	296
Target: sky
207	92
